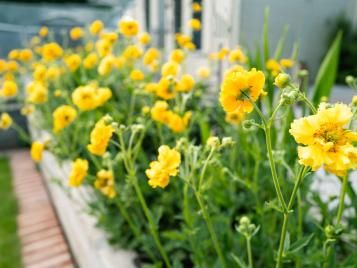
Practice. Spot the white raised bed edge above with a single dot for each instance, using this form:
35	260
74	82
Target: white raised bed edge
88	243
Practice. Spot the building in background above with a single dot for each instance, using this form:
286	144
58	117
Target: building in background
228	23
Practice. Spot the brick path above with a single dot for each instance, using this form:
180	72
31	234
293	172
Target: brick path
42	239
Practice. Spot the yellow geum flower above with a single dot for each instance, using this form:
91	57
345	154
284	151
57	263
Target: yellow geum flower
159	112
222	53
5	121
151	88
76	33
144	38
132	52
287	63
235	117
53	73
43	32
105	183
177	123
177	55
72	62
203	72
78	172
51	51
236	86
128	27
182	39
103	95
2	65
327	143
90	60
63	116
110	37
85	97
273	66
103	47
170	68
196	7
167	165
185	84
96	27
137	75
151	55
119	62
39	74
12	66
27	109
37	149
237	55
100	136
282	80
25	55
165	88
13	54
106	65
194	24
9	89
38	93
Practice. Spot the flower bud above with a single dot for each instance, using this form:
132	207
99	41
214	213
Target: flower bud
350	80
227	141
213	142
137	127
244	221
354	100
303	73
145	110
248	124
329	231
289	97
107	119
282	80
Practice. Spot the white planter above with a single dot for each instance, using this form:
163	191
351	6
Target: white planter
88	244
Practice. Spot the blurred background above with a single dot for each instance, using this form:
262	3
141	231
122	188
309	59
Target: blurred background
312	24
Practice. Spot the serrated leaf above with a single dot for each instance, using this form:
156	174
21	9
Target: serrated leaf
327	72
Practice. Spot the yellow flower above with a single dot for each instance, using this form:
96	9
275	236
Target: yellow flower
96	27
182	39
203	72
39	74
282	80
100	136
119	62
9	89
85	97
51	51
13	54
12	66
326	142
2	65
151	55
103	47
235	117
128	27
237	55
76	33
195	24
5	121
38	93
137	75
27	109
43	31
105	183
78	172
170	68
90	60
185	84
235	87
144	38
165	88
110	37
73	61
196	7
159	112
273	66
167	165
25	55
132	52
177	123
287	63
106	65
37	149
151	87
103	94
35	41
177	55
222	53
63	116
53	73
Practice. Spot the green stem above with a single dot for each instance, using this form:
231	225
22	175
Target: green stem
342	199
309	103
211	230
249	250
205	167
282	240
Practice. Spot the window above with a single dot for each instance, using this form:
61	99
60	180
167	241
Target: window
147	15
197	35
178	15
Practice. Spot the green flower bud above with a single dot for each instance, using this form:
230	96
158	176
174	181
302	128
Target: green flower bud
330	231
213	142
244	221
282	80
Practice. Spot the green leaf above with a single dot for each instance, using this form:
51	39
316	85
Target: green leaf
299	244
238	261
326	75
287	241
265	35
281	43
